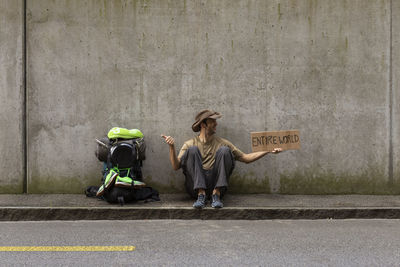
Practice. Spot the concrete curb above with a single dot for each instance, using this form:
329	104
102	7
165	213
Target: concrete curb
188	213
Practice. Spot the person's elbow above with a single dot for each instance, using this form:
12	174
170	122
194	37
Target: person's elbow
176	167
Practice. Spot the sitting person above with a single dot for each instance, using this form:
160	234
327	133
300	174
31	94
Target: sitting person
208	160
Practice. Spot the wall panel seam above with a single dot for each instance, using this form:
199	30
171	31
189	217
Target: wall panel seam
391	94
24	101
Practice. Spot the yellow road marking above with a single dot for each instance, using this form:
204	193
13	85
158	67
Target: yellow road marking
70	248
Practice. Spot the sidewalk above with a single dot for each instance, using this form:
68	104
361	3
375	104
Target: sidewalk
179	206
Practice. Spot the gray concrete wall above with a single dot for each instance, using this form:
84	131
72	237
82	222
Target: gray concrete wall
11	97
322	67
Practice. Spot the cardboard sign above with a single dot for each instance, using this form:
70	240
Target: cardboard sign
267	141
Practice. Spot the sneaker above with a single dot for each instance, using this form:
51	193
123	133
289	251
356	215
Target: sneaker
200	202
216	202
100	192
138	184
110	179
123	181
128	182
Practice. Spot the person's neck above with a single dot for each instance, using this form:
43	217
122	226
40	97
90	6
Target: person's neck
204	137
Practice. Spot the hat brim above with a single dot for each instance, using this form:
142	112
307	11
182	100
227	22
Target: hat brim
196	125
215	116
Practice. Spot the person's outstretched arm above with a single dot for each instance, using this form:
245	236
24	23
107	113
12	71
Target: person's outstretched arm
176	164
247	158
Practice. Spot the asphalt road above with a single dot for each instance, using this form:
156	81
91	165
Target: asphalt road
211	243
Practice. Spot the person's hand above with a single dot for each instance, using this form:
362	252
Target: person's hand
168	139
277	150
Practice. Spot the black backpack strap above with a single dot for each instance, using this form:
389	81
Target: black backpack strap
137	149
109	166
91	191
121	200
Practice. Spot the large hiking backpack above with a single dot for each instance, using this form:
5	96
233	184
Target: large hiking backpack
122	153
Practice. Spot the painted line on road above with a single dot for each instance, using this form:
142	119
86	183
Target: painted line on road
69	248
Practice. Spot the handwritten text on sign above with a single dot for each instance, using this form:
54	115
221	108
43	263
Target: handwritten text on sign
267	141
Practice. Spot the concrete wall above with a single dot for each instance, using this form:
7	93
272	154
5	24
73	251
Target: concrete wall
323	67
11	97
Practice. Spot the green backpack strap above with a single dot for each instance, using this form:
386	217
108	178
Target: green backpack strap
123	133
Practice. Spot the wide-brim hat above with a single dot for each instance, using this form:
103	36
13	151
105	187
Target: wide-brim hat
202	115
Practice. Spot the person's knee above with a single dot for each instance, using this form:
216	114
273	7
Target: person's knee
191	155
224	153
224	150
193	150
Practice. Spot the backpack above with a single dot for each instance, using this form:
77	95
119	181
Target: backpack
122	153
